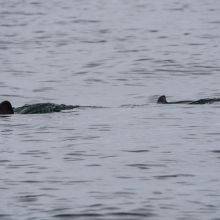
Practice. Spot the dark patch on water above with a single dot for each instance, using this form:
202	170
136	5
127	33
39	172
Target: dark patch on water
72	216
94	165
132	214
86	21
94	41
136	151
4	161
31	181
124	177
153	31
216	151
5	217
143	59
139	165
126	215
162	177
29	198
93	65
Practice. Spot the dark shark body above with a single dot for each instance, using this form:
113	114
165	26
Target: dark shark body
162	100
41	108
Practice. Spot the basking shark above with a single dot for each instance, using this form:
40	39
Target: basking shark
39	108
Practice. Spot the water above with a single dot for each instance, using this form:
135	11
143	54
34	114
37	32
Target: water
134	159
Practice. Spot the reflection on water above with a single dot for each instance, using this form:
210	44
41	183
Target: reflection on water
135	159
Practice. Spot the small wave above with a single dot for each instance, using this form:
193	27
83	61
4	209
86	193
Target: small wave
161	177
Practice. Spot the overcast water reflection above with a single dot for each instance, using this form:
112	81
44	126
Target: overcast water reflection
133	159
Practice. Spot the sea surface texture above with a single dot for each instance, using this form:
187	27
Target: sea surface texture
133	159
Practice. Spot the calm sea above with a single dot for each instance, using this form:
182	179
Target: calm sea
134	159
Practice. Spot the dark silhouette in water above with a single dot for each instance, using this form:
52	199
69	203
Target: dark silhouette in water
162	100
6	108
40	108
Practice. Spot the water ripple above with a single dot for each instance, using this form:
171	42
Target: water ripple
133	159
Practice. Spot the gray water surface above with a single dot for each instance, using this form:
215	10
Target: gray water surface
134	159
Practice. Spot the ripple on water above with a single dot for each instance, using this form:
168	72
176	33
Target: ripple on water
136	151
168	176
216	151
111	215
